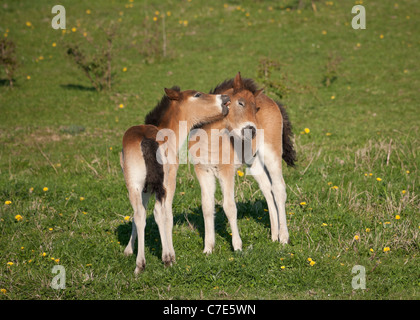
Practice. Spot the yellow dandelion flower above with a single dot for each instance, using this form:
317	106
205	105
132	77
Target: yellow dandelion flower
155	18
18	217
324	32
407	172
168	13
309	259
2	290
28	77
378	179
334	187
303	203
84	212
73	29
328	134
124	69
367	229
356	237
10	263
307	130
371	250
386	249
45	189
185	23
240	173
332	97
282	267
324	224
127	218
381	36
397	217
28	24
88	11
82	198
266	210
44	254
121	106
54	44
404	191
50	229
8	202
312	263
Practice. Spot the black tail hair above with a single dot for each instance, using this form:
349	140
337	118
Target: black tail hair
154	170
289	153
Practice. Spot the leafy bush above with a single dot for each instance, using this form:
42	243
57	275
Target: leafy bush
97	66
8	58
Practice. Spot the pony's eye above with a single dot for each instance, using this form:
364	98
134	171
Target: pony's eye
197	95
242	104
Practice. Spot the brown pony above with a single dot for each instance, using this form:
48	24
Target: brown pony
266	167
226	157
142	160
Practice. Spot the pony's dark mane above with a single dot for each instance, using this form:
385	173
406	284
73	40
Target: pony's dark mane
154	117
249	85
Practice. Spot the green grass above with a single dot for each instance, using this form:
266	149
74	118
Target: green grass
57	132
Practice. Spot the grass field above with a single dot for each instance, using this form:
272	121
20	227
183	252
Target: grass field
352	200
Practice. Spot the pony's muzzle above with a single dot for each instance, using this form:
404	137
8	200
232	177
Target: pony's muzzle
225	104
249	132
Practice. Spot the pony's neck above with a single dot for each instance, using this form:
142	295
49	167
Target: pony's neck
179	127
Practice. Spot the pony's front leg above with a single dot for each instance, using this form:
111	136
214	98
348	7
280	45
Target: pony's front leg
208	188
227	183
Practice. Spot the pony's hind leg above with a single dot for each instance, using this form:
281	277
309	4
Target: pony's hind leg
278	188
129	249
260	174
138	200
160	218
170	186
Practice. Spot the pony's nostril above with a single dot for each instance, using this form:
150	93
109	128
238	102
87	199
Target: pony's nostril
247	129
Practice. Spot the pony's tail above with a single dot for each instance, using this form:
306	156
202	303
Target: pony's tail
154	170
289	153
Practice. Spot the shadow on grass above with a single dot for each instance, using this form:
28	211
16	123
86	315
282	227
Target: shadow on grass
251	210
77	87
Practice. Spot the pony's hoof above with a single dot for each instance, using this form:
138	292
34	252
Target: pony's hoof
168	259
284	239
128	252
140	266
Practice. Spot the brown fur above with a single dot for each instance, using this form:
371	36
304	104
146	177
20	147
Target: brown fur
143	173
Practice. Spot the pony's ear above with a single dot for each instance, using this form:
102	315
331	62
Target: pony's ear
172	94
258	92
237	82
